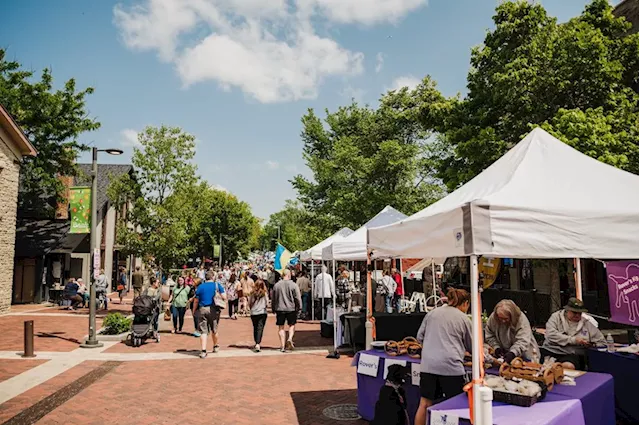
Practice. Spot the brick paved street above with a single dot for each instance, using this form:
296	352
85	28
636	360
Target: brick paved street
233	334
268	388
52	332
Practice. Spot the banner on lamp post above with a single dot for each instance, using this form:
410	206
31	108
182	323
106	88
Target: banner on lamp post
80	208
96	263
622	277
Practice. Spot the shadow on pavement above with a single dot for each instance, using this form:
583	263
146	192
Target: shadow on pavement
56	335
310	405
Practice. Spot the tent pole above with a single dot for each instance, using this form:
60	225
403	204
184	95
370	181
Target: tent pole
335	313
402	280
482	396
368	325
433	276
578	277
313	301
323	287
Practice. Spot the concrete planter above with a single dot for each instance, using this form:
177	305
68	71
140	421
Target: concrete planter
119	337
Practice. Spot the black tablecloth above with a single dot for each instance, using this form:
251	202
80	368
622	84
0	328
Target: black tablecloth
393	326
624	369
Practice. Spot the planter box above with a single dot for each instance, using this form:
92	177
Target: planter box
119	337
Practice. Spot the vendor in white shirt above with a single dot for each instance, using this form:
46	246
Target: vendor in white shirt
568	335
323	290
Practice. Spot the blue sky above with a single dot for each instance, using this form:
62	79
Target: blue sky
239	74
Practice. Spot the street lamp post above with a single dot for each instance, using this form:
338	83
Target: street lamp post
92	341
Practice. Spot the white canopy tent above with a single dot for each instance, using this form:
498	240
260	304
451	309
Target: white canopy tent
315	252
354	246
542	199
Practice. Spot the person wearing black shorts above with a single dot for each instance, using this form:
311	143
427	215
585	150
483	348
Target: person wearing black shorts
445	335
286	303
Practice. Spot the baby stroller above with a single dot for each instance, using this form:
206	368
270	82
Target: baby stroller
146	312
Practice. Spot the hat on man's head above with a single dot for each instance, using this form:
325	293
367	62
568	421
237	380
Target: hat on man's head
575	305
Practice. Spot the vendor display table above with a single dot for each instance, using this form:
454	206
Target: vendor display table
389	326
590	402
554	410
624	369
369	387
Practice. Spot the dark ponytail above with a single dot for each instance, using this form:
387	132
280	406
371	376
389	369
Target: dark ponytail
457	297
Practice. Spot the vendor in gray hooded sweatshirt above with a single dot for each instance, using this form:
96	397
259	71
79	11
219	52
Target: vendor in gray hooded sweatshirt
445	335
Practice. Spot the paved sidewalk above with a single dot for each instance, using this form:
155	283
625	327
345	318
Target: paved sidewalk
161	383
284	389
233	334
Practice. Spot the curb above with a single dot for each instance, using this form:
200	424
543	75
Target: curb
118	338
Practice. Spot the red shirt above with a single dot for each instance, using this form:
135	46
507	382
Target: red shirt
398	279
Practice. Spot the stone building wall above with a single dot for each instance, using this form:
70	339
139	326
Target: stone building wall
9	175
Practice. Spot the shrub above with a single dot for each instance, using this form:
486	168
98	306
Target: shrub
116	323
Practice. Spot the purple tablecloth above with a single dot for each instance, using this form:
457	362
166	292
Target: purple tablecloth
593	390
624	369
554	410
369	387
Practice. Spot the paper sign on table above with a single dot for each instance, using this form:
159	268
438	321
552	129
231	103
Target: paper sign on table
389	362
415	374
438	418
368	365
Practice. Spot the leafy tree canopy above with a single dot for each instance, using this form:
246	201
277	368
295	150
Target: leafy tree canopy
299	228
52	120
173	215
364	159
578	80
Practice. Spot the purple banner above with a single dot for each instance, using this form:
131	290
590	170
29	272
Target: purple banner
623	291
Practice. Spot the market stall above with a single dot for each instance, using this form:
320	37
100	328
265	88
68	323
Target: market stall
589	402
315	253
354	247
539	200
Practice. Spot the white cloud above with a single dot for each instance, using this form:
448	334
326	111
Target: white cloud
272	165
405	81
379	62
220	188
267	48
129	138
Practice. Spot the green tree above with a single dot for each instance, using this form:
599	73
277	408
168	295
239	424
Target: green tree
52	120
363	159
221	214
299	228
160	211
578	80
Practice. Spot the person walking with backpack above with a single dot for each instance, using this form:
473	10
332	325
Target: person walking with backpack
210	299
178	300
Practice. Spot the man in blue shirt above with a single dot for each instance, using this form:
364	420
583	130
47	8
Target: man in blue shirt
208	312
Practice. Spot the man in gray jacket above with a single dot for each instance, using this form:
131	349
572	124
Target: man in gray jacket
286	303
568	334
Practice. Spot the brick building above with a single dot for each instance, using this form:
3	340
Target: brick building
13	147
